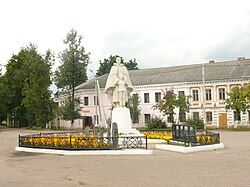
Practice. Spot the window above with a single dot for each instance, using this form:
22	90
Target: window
95	100
195	95
182	116
157	96
209	117
181	93
96	119
146	97
222	95
237	116
135	118
208	94
147	118
86	101
196	115
170	118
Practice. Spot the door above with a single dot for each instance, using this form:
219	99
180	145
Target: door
87	121
223	120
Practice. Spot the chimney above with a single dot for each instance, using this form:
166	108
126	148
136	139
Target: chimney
211	61
241	58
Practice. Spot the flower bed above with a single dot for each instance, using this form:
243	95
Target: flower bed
67	142
163	135
80	141
201	138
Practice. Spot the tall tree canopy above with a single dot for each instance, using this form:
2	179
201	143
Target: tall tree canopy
239	98
106	65
72	72
3	103
26	84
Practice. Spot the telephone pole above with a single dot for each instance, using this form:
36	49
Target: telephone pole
203	96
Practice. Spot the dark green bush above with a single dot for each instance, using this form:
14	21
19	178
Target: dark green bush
199	123
156	123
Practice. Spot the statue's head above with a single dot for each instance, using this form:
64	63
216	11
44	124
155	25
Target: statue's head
118	60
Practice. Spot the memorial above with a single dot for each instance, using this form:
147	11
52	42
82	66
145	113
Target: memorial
118	89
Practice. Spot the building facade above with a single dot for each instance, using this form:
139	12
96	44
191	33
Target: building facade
207	94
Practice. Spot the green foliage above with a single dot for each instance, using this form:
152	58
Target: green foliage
131	64
72	72
238	98
3	103
133	105
156	123
70	109
106	65
74	61
27	82
169	101
199	123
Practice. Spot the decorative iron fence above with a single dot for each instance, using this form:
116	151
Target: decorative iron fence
81	141
190	137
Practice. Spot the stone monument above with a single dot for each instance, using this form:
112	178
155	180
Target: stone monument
118	89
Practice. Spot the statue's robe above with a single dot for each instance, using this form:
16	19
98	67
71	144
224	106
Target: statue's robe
111	88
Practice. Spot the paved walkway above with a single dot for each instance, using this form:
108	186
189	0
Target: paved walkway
227	167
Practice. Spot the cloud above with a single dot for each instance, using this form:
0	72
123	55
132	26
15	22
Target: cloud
235	43
150	50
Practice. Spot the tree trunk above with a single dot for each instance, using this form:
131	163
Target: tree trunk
73	112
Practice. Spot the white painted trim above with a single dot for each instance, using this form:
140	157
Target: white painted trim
95	152
183	149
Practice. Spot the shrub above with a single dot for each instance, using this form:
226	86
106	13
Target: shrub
156	123
199	123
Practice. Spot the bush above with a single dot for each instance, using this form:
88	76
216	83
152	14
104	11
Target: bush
199	123
156	123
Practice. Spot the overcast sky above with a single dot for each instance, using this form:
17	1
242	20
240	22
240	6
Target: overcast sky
156	33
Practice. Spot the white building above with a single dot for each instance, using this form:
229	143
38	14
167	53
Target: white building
219	77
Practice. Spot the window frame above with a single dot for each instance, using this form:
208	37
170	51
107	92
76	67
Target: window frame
237	115
209	118
208	94
147	118
195	95
86	101
146	98
222	95
157	96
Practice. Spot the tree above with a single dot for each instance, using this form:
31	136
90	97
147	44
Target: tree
239	98
106	65
246	92
170	101
72	71
133	105
67	110
199	123
27	82
37	97
3	104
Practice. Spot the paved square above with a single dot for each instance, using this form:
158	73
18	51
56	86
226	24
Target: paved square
226	167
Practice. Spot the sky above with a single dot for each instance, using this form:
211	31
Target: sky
157	33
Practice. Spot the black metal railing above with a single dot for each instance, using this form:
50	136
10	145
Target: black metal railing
188	135
79	141
207	138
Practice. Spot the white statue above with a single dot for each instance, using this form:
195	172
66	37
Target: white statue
118	89
118	86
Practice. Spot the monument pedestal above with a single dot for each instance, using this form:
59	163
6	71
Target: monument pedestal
121	116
